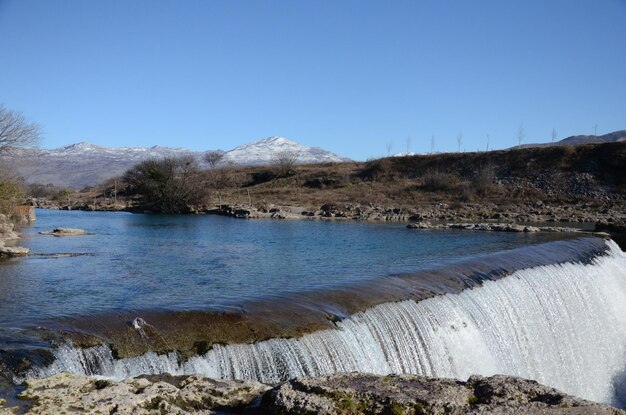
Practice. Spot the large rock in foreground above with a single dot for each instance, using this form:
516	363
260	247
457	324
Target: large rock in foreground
352	393
66	393
404	394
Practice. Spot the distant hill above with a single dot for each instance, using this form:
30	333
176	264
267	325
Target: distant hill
613	137
84	164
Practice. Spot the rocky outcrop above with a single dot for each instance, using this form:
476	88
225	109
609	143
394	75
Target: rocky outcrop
352	393
75	394
405	394
8	233
65	232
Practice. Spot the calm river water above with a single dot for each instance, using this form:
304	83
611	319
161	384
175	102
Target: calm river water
138	261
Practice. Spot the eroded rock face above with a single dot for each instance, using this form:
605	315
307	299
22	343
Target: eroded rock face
353	393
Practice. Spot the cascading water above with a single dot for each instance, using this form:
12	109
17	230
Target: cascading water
563	325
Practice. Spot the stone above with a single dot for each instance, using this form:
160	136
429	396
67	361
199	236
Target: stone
13	251
420	225
65	232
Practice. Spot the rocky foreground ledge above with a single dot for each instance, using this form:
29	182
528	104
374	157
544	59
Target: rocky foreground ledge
352	393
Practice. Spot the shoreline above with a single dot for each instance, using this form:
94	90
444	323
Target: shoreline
478	217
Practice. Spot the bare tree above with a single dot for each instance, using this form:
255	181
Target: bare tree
521	133
553	135
15	131
284	161
459	140
432	144
388	147
213	158
408	145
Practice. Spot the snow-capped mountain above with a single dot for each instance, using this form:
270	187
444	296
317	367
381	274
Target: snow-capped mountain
84	164
139	153
264	151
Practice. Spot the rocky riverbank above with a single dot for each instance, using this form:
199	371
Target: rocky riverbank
353	393
9	236
536	212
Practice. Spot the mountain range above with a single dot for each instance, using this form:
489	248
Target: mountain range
84	164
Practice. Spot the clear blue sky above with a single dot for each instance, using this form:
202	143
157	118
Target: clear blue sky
349	76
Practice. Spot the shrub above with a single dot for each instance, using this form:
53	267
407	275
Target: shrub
168	185
437	181
10	196
483	181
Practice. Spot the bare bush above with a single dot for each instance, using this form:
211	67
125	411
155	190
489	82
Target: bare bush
438	181
484	181
284	162
213	158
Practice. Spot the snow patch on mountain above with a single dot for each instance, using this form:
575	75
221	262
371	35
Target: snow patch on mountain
265	151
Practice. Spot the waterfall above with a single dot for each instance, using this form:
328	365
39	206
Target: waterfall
563	325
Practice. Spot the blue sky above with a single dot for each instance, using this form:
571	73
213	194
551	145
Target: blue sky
349	76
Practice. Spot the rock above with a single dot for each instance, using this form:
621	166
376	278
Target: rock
491	227
348	393
65	232
420	225
77	394
358	393
13	251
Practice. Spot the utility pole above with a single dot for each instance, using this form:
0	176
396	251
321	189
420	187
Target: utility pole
115	192
488	142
